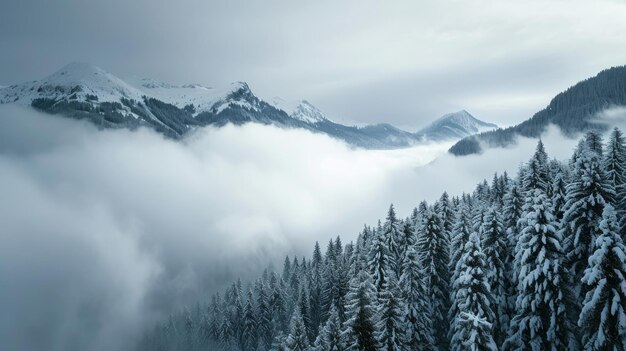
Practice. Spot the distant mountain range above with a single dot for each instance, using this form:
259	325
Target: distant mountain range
84	91
573	110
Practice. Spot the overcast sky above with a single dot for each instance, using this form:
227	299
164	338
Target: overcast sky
403	62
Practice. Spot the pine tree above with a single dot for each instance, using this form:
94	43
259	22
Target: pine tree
541	321
473	300
593	140
287	269
586	197
249	332
392	237
496	250
460	237
419	332
297	340
615	166
380	261
512	212
391	330
315	294
359	332
305	313
265	330
536	175
603	317
433	246
329	338
446	213
559	193
278	306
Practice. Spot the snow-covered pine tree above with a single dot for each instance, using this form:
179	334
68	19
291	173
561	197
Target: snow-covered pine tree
495	249
444	209
593	140
265	332
472	327
278	305
511	213
315	294
359	328
392	237
380	260
586	195
558	192
329	338
305	313
541	321
419	328
460	236
287	269
536	175
391	330
250	327
615	166
330	288
297	340
433	250
603	317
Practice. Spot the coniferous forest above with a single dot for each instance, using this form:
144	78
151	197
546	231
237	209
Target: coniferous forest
532	261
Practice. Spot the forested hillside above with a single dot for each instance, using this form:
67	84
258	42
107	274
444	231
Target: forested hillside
534	261
572	111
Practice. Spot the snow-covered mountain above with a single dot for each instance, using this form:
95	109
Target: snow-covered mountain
84	91
75	81
456	125
301	110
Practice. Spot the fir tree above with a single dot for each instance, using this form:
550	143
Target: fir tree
615	166
473	300
593	140
297	340
419	332
460	237
536	175
586	197
249	332
496	250
433	246
359	332
541	321
391	329
329	338
603	317
265	330
380	261
392	237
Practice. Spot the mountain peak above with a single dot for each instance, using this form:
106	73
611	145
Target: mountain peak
455	125
308	113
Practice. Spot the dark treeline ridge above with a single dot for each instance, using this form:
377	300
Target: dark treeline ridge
573	111
530	262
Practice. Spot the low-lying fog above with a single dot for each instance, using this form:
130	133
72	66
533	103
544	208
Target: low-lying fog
104	232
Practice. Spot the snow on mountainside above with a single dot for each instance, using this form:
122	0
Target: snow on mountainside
202	98
84	91
301	110
455	125
77	81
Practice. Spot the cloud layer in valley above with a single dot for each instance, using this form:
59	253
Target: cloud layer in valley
104	232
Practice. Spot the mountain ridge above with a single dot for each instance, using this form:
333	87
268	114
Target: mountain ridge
84	91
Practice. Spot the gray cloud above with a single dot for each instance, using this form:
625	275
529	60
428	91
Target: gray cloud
404	62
